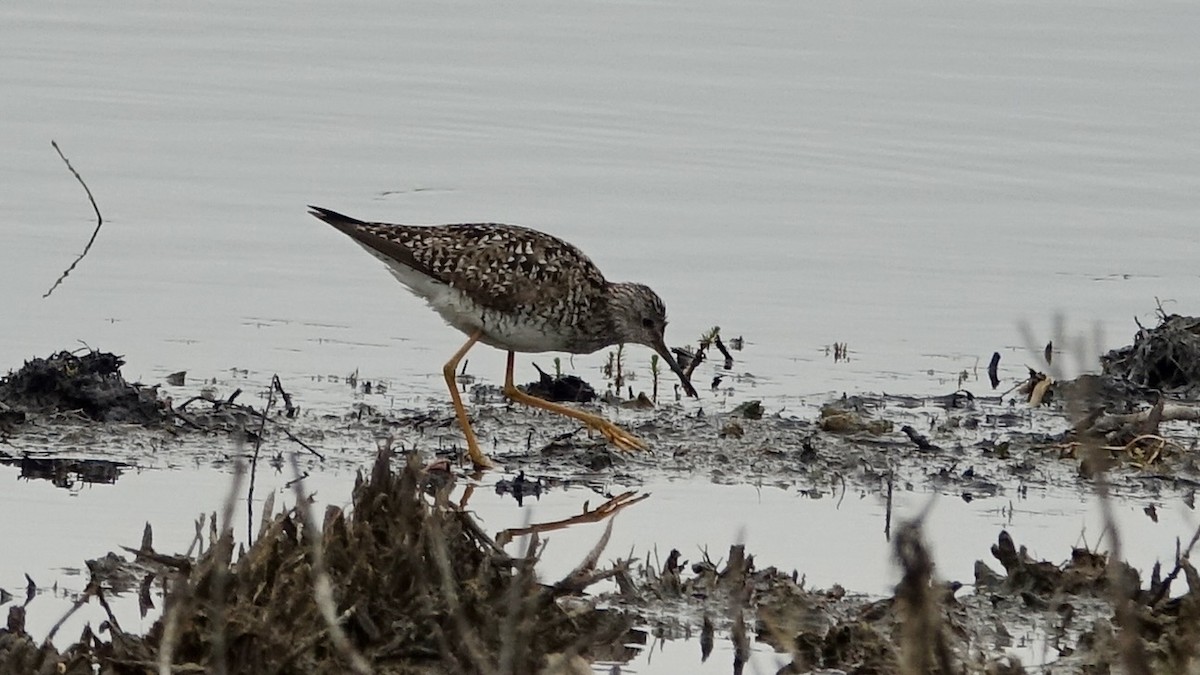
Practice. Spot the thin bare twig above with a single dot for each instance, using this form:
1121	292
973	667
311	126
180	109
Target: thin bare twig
1180	558
287	432
254	464
89	592
99	221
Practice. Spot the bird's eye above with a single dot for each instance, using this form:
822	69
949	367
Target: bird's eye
647	323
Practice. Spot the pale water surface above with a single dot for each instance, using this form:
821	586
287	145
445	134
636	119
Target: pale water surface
914	179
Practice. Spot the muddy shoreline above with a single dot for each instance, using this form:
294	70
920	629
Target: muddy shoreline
72	419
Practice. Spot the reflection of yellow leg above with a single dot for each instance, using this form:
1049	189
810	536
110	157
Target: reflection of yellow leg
615	434
467	492
477	457
595	515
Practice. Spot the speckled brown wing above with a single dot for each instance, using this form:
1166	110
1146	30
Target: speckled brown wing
500	267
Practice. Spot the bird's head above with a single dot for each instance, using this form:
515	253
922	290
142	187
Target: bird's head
640	317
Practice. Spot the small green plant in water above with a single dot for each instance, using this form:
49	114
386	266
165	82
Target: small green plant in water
558	367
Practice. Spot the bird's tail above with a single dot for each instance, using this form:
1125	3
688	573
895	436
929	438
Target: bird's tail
333	217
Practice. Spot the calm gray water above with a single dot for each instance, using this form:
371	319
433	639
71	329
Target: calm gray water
914	179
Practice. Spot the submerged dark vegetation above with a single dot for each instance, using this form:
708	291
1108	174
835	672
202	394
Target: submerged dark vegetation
405	581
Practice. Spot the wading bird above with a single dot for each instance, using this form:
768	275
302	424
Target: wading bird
519	290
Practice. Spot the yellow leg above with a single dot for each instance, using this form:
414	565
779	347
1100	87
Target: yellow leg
615	434
449	370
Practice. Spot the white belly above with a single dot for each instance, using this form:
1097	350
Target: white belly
458	310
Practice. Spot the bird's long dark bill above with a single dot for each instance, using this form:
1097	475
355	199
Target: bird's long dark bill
665	353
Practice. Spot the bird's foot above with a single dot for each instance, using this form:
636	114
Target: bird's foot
481	461
619	437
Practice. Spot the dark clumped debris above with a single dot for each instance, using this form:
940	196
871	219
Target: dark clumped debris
560	388
520	487
10	418
1134	413
925	628
1165	358
1121	413
1085	572
1087	594
66	473
1162	362
415	586
20	654
820	629
90	383
68	388
917	438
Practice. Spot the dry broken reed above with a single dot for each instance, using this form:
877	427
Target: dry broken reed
398	583
924	647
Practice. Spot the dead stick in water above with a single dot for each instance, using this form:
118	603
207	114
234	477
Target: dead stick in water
724	352
887	518
254	464
92	588
99	221
289	409
1180	558
694	359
